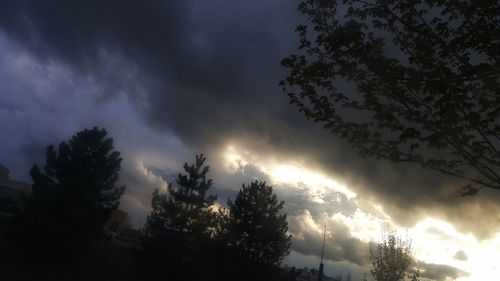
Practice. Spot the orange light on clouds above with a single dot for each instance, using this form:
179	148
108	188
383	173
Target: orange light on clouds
286	172
434	241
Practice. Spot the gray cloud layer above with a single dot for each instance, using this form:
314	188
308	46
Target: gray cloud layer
197	73
441	272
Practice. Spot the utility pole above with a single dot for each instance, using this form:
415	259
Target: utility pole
321	265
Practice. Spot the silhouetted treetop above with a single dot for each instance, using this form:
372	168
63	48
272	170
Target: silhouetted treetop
409	81
255	227
78	187
186	207
72	198
392	260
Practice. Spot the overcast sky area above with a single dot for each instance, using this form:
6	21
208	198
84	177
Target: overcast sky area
172	79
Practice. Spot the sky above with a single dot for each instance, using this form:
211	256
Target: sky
173	79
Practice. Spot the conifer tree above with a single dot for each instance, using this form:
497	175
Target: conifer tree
179	228
78	187
72	198
255	227
186	206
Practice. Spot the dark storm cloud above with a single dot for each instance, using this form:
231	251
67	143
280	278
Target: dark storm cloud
75	31
208	71
199	55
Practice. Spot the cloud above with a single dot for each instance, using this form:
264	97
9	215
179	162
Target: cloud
339	246
45	104
460	255
440	272
171	79
207	71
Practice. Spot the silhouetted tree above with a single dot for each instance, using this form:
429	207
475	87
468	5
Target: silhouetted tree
255	227
409	81
72	198
179	228
9	205
392	259
186	207
414	275
78	187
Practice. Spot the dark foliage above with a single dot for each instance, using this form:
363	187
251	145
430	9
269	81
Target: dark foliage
186	207
197	243
255	227
184	238
409	81
180	225
71	200
9	205
392	260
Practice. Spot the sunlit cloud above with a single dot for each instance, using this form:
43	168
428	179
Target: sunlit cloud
321	184
365	226
435	242
438	242
286	172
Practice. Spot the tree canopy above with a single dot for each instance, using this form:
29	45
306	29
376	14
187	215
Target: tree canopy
392	260
186	207
184	230
256	227
78	186
409	81
72	198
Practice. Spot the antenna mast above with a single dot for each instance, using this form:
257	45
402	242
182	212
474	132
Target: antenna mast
321	265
